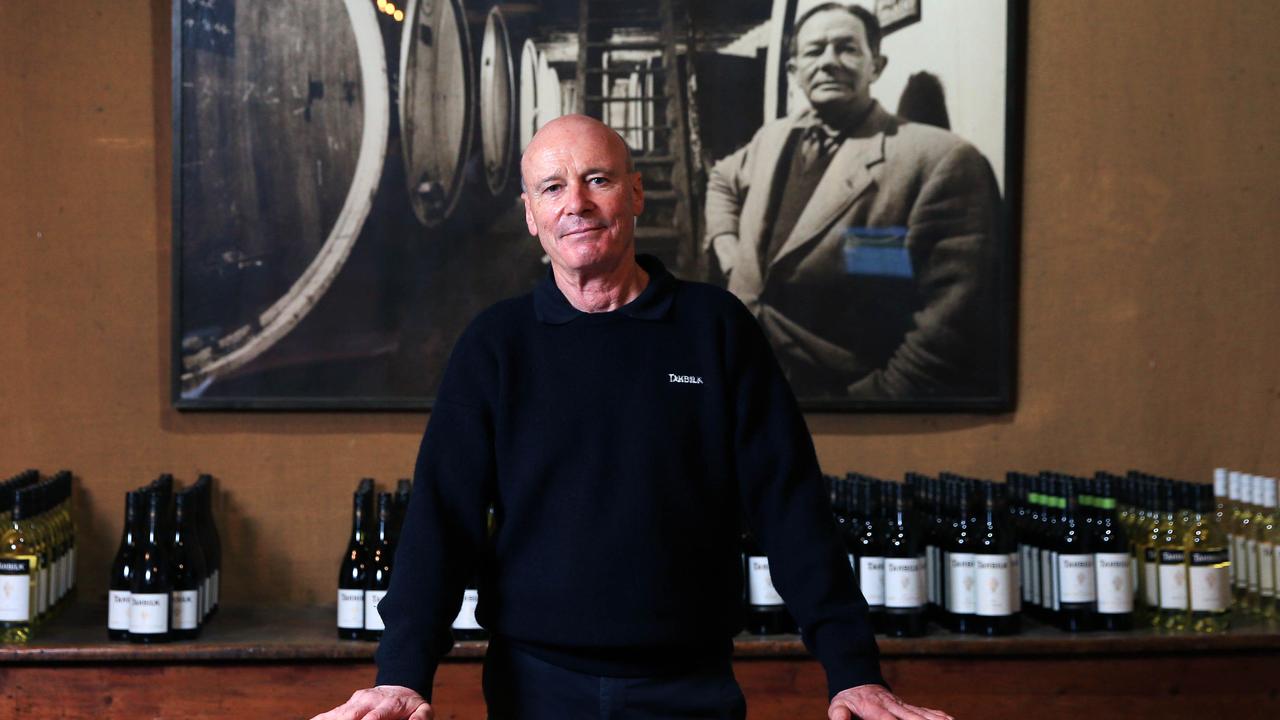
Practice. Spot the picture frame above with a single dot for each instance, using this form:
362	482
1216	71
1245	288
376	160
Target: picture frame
346	184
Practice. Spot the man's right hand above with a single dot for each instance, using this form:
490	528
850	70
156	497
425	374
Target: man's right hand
384	702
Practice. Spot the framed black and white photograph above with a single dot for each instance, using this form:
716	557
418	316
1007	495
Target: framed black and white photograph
347	195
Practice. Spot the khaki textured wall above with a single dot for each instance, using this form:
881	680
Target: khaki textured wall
1148	305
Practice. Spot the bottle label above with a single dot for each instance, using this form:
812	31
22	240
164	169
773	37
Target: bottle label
994	587
350	609
1114	581
148	613
15	589
216	586
1133	573
1251	565
1266	569
1231	553
466	619
931	573
1024	570
55	578
118	602
1150	578
1173	580
1241	577
205	602
904	582
962	584
760	589
1048	593
42	590
185	609
1076	579
1015	590
871	580
1033	575
373	620
1209	577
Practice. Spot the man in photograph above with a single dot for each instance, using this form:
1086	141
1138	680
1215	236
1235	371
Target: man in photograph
867	246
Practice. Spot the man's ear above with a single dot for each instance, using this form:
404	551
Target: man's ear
637	193
528	215
881	61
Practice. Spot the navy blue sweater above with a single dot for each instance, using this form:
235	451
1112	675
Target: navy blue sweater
621	451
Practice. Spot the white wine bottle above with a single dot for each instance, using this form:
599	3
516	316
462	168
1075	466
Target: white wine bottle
1208	571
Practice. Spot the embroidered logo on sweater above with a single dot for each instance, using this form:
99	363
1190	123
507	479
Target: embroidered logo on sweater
688	379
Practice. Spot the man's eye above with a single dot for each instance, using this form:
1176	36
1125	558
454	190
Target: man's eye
598	181
551	189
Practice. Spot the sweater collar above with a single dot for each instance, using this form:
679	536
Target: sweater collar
652	303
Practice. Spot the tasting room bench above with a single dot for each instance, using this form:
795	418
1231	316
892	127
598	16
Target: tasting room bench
280	662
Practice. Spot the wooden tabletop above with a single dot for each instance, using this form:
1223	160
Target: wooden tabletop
242	634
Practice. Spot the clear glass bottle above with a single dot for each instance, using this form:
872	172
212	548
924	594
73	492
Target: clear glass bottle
1242	492
19	570
1207	569
1172	558
1266	541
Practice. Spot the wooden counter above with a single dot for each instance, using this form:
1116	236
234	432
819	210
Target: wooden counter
286	662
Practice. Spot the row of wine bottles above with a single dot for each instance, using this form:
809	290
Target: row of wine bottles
365	572
37	551
166	577
1102	553
1246	507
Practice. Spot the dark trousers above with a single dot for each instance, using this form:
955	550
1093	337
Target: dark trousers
520	686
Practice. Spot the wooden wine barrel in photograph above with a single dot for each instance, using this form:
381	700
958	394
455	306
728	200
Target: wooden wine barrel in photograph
528	111
283	131
549	100
436	106
497	102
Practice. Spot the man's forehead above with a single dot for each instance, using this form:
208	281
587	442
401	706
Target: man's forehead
829	25
571	155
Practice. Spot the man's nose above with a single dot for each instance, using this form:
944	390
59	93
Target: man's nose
577	199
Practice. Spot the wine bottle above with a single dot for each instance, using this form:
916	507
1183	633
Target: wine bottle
1112	560
404	487
353	573
1146	551
868	549
378	578
1241	533
1254	555
1207	571
961	589
149	614
1266	536
210	543
19	568
465	625
1077	601
766	612
1050	518
904	566
1172	558
995	566
119	598
186	569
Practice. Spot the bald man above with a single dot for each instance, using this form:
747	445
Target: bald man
622	424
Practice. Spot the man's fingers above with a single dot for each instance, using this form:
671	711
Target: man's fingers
932	714
903	711
839	712
424	712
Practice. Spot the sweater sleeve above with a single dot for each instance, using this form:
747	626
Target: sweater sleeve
786	508
444	527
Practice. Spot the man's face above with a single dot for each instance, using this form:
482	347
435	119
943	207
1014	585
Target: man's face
833	62
580	200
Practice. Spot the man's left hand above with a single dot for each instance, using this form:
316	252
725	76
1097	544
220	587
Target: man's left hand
875	702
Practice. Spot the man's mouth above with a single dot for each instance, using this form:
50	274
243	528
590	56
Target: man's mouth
581	231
